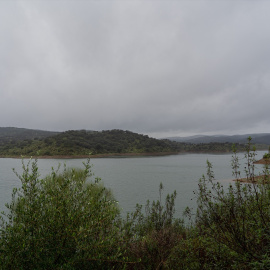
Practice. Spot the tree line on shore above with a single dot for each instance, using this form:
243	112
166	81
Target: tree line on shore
66	221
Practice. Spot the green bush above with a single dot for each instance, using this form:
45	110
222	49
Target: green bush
237	219
198	251
153	234
59	222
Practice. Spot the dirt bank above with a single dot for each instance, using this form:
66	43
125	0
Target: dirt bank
256	179
262	161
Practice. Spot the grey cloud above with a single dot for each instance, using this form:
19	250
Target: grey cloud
155	67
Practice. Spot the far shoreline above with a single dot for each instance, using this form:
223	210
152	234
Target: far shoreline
109	155
115	155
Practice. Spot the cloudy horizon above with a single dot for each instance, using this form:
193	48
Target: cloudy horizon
162	68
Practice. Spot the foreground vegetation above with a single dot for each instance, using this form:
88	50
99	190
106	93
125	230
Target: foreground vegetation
65	221
81	143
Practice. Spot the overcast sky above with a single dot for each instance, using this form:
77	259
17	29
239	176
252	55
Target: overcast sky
162	68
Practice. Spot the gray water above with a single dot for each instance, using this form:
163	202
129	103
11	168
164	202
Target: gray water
135	180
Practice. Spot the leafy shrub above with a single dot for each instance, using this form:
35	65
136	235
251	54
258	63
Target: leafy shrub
198	251
59	222
237	219
153	235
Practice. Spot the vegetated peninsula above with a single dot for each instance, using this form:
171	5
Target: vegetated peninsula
81	143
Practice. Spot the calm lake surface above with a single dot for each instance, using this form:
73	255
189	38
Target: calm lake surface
135	180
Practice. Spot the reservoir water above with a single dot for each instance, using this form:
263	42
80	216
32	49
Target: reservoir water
136	179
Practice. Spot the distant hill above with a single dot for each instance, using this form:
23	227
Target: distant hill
13	134
260	138
82	142
17	142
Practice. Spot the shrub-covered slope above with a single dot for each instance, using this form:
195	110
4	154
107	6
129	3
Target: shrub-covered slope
81	142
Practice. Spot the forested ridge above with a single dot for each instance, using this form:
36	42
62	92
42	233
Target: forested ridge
83	142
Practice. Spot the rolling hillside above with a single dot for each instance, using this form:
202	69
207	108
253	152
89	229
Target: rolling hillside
13	134
82	142
16	142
